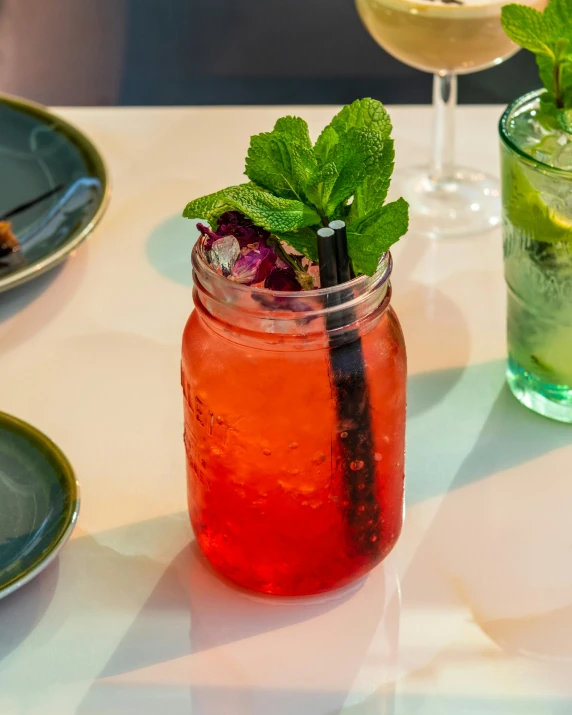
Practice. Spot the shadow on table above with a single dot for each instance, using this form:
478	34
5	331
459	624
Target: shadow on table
500	531
18	298
191	624
39	301
473	429
194	612
429	389
216	613
21	611
169	249
511	435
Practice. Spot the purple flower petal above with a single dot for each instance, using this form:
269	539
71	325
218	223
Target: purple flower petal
258	264
265	267
242	228
254	265
211	236
282	279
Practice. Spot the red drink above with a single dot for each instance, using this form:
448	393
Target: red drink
272	502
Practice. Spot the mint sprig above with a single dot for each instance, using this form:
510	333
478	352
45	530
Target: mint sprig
271	212
548	35
373	234
296	187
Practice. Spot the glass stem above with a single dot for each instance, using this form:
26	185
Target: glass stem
444	103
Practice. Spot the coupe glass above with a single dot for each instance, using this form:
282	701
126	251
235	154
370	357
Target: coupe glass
447	38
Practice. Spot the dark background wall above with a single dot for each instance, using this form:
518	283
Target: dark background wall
215	52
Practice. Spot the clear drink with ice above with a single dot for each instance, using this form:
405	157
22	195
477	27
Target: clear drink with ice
536	160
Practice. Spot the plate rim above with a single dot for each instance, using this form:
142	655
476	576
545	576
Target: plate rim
56	257
36	436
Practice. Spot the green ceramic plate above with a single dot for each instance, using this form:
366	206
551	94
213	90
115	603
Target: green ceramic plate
41	153
39	502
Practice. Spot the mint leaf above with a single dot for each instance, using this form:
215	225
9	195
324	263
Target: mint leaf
281	160
355	154
372	191
208	208
375	233
303	240
325	144
526	27
356	146
558	19
321	184
269	165
304	165
565	120
549	36
295	129
271	212
363	114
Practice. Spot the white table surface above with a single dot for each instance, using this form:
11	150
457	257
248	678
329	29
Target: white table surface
471	613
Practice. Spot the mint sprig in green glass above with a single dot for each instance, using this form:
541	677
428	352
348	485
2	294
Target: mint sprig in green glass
548	35
296	187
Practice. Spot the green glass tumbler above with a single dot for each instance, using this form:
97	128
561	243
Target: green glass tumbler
537	244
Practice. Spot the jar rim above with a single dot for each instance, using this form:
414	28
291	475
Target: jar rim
361	283
509	142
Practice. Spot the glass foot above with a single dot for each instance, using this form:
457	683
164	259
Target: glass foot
554	401
468	203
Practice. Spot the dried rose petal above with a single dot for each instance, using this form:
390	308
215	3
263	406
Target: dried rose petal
282	279
254	265
266	266
245	231
245	268
210	235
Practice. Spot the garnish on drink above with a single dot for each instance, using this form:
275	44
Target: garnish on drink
548	35
295	404
536	152
295	188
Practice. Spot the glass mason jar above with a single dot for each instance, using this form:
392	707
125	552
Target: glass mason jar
537	233
294	429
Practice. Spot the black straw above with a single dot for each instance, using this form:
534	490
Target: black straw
342	255
349	385
327	258
30	204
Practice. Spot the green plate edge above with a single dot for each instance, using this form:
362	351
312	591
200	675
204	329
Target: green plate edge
61	465
52	259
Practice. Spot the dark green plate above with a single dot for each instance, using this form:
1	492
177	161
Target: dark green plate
39	153
39	502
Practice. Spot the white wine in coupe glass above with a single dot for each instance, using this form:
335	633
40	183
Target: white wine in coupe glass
445	37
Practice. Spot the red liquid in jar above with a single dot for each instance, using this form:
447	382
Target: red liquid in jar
268	495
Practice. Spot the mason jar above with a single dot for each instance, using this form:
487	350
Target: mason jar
537	240
294	409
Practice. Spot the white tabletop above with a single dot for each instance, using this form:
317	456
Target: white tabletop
470	614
